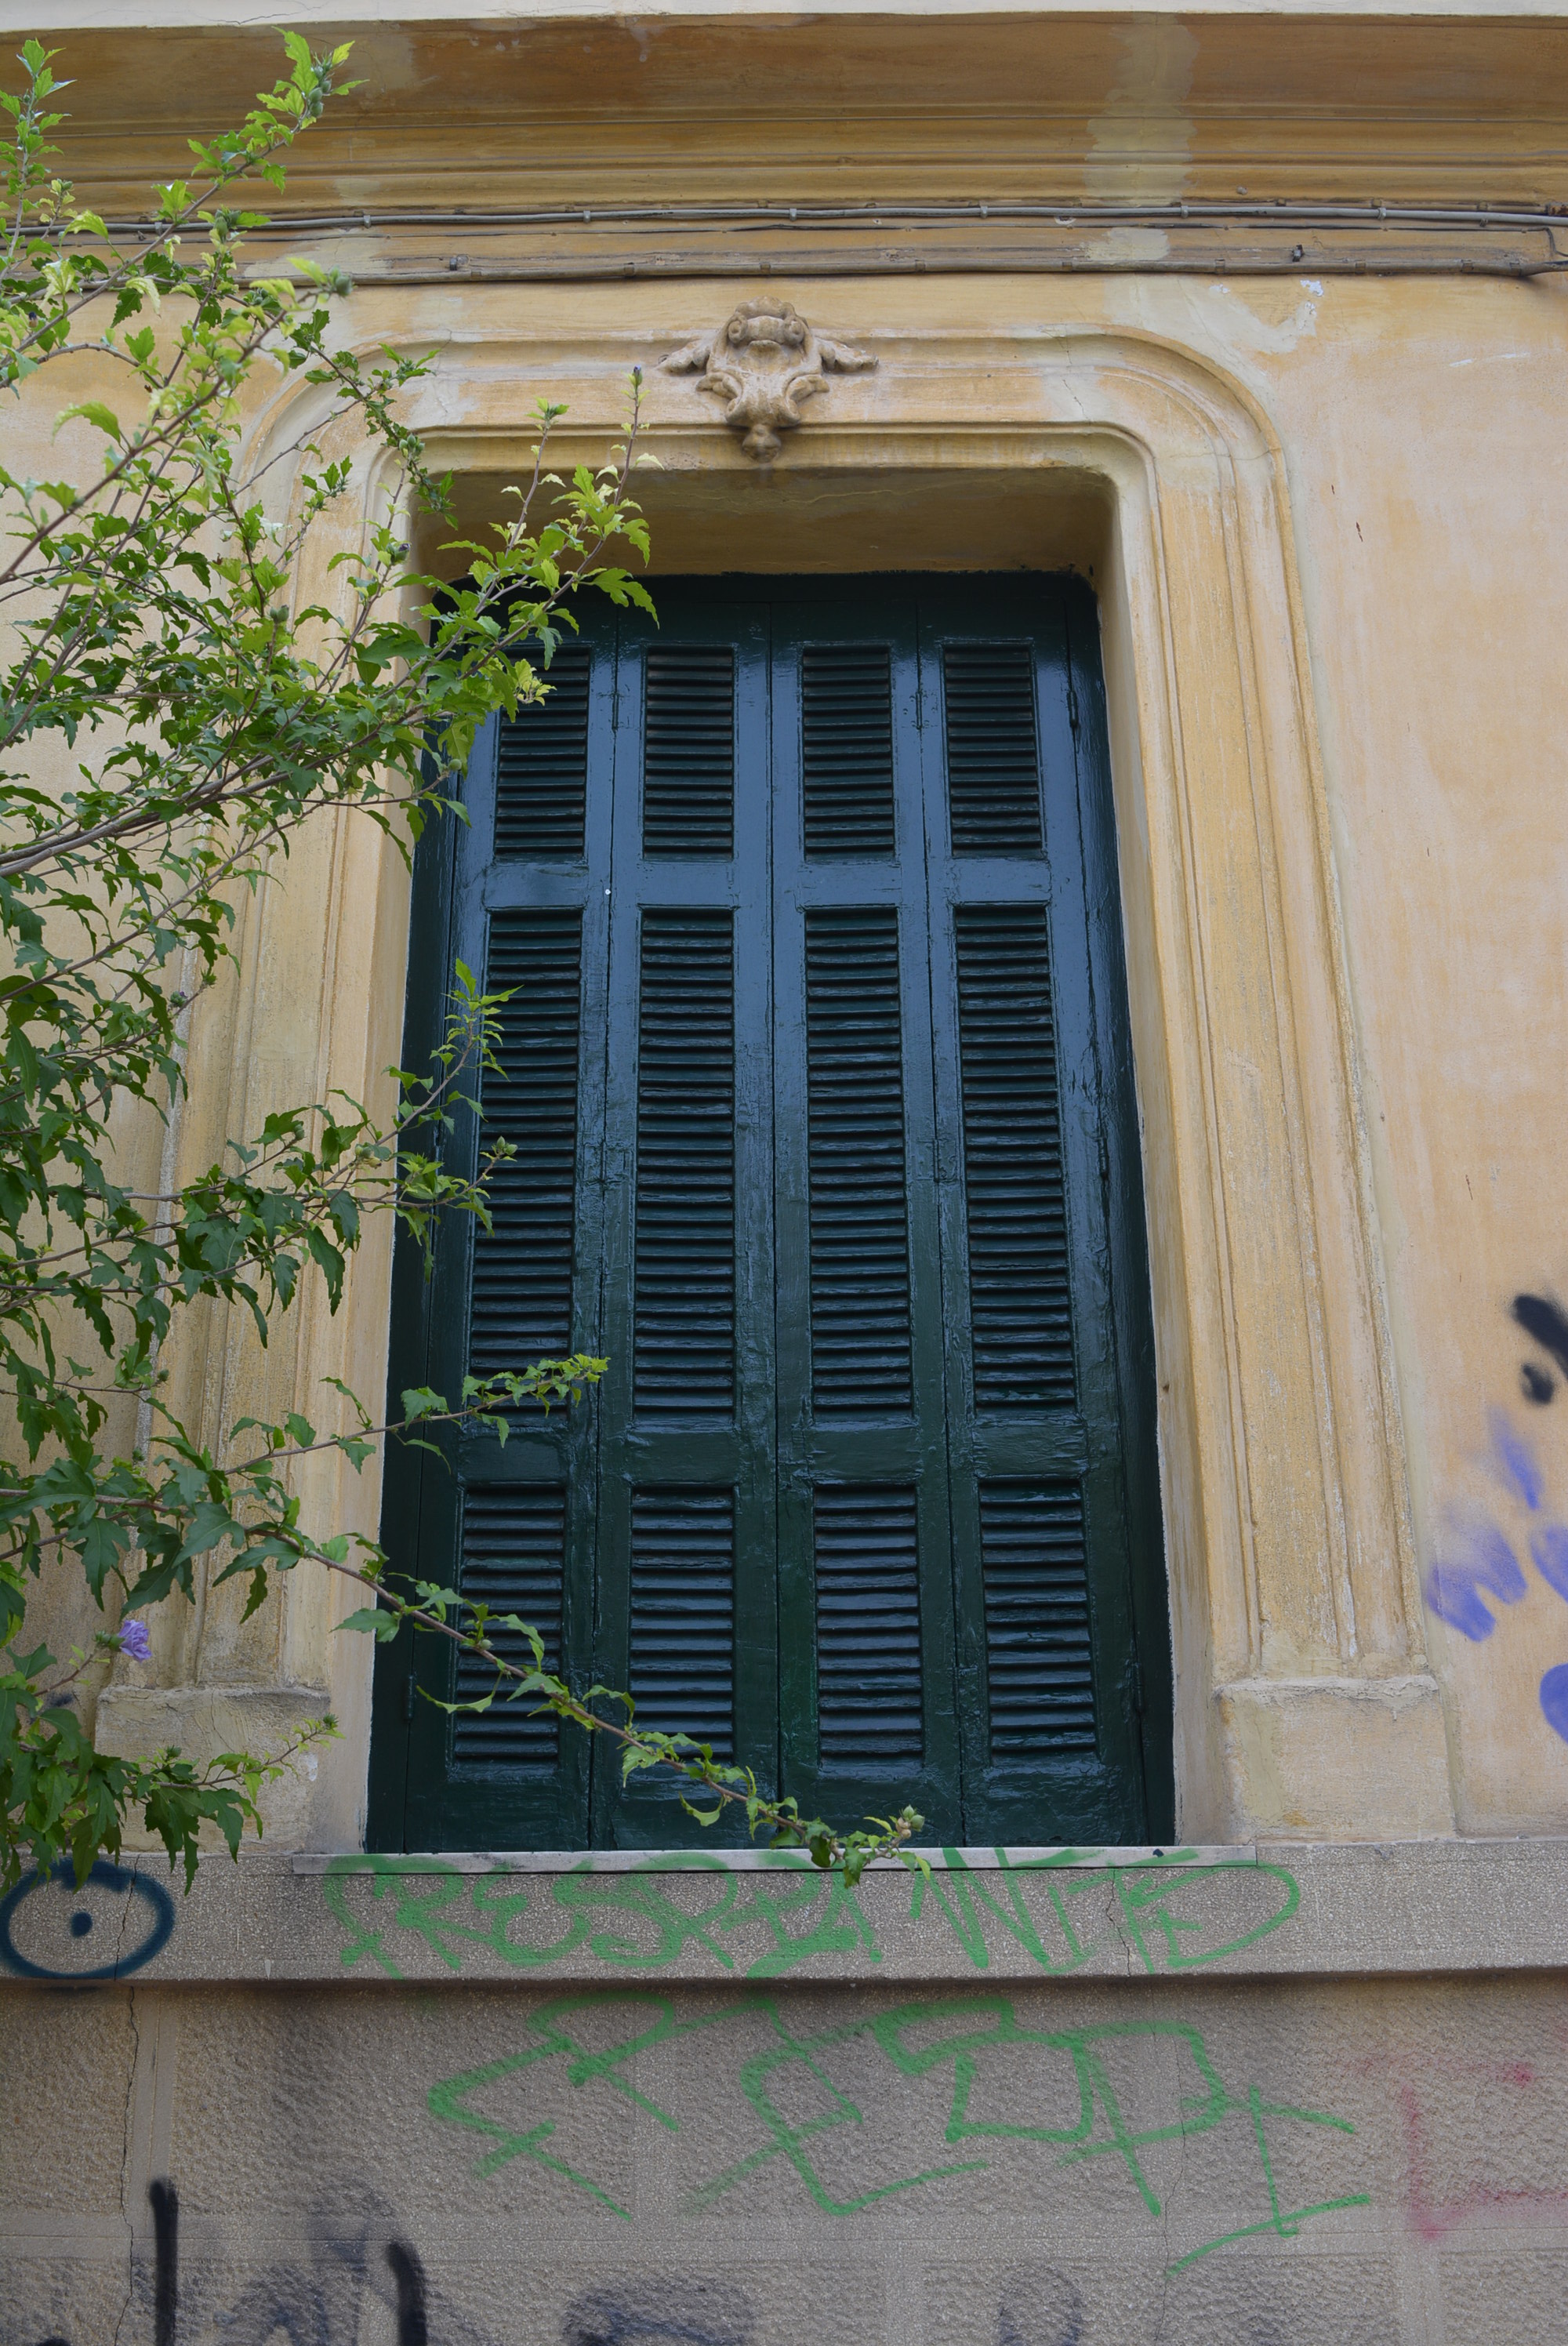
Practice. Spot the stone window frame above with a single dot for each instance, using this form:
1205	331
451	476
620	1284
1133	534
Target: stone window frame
1304	1703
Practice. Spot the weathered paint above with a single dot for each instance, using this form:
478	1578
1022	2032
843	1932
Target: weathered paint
1321	2089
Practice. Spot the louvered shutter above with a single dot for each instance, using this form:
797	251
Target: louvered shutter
688	1539
817	1075
1057	1569
518	893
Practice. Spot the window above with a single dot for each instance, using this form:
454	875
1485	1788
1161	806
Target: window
817	1078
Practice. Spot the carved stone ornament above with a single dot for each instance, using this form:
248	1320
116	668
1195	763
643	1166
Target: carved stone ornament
765	361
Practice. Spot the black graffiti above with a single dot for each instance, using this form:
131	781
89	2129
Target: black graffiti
315	2300
660	2314
318	2299
1547	1324
136	1888
412	2328
164	2201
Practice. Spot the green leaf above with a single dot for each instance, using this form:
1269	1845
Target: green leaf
94	412
103	1544
382	1626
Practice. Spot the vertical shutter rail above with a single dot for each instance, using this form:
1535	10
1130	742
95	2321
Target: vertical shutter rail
682	1666
858	1214
847	749
684	1288
521	1293
1019	1268
542	770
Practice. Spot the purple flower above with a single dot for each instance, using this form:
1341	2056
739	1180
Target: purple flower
134	1641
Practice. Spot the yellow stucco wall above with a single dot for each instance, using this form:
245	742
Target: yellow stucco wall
1327	516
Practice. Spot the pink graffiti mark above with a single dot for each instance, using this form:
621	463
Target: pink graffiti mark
1431	2218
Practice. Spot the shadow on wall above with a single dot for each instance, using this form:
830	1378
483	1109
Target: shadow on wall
349	2256
660	2314
1038	2308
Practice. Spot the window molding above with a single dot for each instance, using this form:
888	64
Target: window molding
1303	1700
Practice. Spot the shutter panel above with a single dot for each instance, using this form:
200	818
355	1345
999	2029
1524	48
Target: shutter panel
869	1705
1039	1669
855	1112
992	752
682	1672
513	1560
685	1294
1026	966
1020	1325
688	750
847	749
817	1073
542	773
686	1551
521	1308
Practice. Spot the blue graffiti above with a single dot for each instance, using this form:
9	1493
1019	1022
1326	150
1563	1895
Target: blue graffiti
1486	1561
1554	1698
1454	1585
122	1882
1517	1463
1549	1554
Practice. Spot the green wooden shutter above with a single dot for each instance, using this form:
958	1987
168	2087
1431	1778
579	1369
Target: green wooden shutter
820	1090
685	1560
865	1582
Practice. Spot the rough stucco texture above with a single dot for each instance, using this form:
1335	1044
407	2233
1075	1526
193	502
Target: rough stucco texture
1022	2167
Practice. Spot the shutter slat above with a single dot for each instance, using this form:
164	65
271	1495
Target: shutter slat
542	770
514	1548
846	737
992	749
1038	1664
688	750
858	1218
521	1294
682	1672
1020	1306
868	1627
683	1348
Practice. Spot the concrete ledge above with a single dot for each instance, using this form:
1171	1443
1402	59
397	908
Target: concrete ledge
1279	1911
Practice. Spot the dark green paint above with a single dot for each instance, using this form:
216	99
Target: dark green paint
774	1449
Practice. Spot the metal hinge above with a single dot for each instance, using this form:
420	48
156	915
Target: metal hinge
408	1696
1072	717
616	710
1135	1687
919	707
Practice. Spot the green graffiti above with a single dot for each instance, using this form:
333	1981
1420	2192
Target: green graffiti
1285	2225
961	1894
1001	2029
789	2140
980	2039
1140	1897
583	2065
423	1911
631	1921
626	1921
